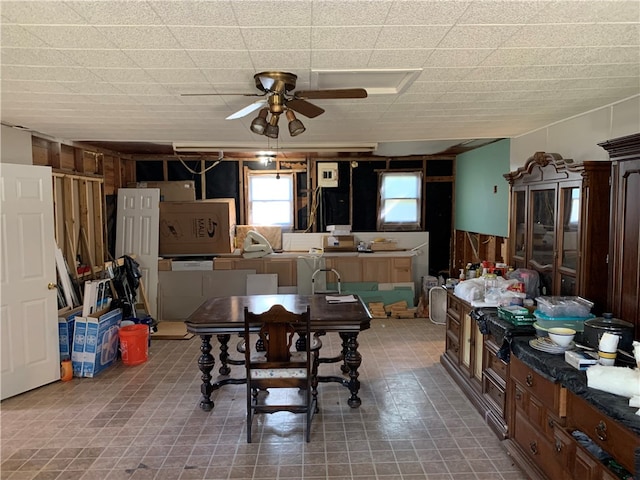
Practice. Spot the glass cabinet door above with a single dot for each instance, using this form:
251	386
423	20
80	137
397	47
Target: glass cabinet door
519	209
543	225
569	226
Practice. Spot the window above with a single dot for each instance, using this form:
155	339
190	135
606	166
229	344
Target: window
271	200
400	200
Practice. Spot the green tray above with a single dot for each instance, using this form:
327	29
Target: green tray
516	315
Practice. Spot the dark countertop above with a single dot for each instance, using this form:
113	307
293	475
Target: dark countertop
515	340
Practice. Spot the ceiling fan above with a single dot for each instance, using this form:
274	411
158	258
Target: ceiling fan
278	90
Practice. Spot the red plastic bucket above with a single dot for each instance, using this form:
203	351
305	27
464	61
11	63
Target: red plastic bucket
134	344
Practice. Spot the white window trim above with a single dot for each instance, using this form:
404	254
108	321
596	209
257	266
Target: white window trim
399	226
250	201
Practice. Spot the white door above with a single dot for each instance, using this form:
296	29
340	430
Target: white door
28	303
137	233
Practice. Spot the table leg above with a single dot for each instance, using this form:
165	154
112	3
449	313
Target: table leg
224	354
352	360
206	363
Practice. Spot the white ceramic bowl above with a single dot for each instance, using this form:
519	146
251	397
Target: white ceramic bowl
562	336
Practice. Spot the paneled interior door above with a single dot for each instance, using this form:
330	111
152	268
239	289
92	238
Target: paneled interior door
28	311
137	233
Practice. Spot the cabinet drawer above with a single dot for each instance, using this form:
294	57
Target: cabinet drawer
564	447
535	446
612	437
548	393
452	348
453	327
495	394
499	368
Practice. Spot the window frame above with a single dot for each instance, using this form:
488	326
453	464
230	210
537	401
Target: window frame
383	226
291	175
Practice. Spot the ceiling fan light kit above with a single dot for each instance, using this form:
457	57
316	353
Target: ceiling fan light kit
281	98
259	123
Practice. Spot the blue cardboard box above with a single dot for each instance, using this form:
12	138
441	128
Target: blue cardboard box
95	342
66	323
101	342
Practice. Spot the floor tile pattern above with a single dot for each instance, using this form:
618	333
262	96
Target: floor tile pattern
144	422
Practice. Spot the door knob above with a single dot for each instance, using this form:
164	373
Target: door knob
52	286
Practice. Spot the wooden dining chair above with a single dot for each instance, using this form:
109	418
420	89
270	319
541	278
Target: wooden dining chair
277	364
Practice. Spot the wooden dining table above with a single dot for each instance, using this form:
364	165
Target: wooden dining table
224	317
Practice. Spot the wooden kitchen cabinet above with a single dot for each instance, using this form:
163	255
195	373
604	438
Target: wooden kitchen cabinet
558	225
372	268
624	231
471	359
537	408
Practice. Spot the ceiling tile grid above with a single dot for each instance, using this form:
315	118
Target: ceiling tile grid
95	70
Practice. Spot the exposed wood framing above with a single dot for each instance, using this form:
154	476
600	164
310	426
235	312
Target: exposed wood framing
79	218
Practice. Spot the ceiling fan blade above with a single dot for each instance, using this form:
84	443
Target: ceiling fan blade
247	110
305	108
335	93
214	94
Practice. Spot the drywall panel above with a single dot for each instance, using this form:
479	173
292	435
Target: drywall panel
482	193
525	146
625	118
577	138
15	146
262	284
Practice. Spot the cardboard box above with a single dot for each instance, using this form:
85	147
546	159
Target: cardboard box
339	242
66	324
271	233
164	264
173	191
95	342
182	265
203	227
579	359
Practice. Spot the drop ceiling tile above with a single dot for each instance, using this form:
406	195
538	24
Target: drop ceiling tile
236	79
341	59
223	59
99	58
161	58
590	55
126	75
511	57
93	88
270	13
411	36
502	13
19	37
35	86
195	13
337	38
575	35
282	38
398	58
70	36
478	36
589	11
47	73
40	12
140	37
37	57
198	38
444	74
453	57
115	12
291	60
339	12
421	12
176	75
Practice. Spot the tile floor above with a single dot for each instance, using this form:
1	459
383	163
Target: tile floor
144	422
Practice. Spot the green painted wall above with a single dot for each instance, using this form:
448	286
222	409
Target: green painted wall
477	208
